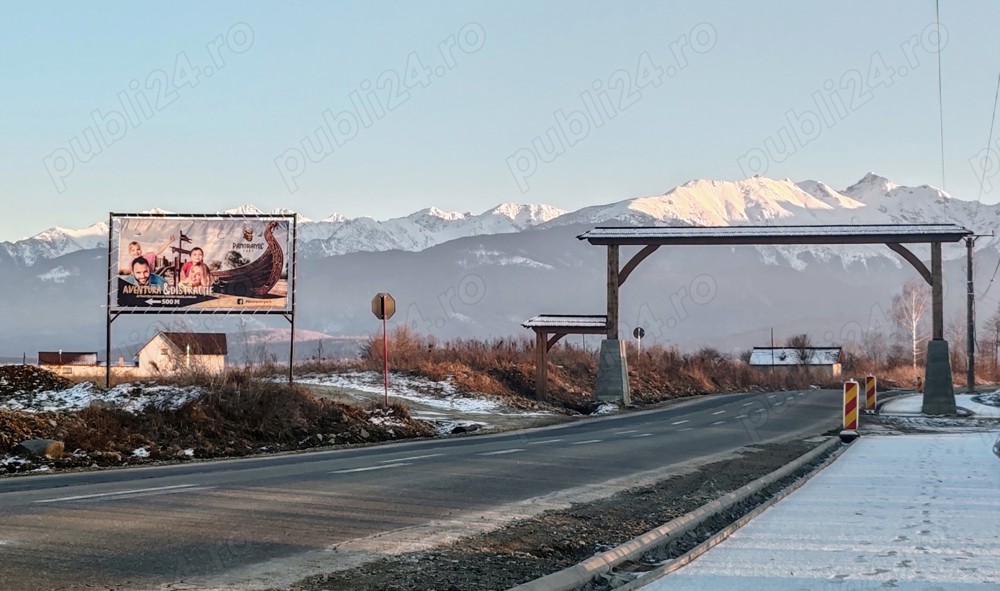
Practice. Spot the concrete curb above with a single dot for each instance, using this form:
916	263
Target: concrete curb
578	575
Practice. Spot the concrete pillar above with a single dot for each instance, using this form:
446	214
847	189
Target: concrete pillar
939	390
612	373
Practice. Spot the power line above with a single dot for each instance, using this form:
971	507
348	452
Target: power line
937	17
989	142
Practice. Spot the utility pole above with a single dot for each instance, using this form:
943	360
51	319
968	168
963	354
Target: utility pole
772	350
970	380
970	243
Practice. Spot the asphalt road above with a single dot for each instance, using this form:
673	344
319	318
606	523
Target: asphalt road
266	520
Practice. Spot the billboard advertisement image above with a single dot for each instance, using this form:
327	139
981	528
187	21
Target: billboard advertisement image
201	264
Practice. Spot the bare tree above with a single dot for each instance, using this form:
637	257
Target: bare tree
955	333
875	348
801	343
908	310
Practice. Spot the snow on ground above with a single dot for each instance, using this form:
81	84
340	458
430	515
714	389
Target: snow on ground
437	402
130	397
990	399
910	405
435	394
914	512
606	408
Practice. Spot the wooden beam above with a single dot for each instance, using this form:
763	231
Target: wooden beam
613	284
541	366
913	260
555	339
634	262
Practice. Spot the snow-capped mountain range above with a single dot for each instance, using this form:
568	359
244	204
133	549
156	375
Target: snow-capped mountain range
757	200
463	275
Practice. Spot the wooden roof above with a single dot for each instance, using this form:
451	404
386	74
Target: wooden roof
568	323
750	235
66	358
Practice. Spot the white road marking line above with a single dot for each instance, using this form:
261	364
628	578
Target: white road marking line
740	417
680	422
718	412
747	403
626	432
370	468
410	458
718	423
688	429
777	404
546	441
116	494
502	452
642	435
586	442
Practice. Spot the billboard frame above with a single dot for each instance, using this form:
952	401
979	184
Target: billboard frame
288	312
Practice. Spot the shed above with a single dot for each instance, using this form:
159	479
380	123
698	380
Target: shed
824	360
175	351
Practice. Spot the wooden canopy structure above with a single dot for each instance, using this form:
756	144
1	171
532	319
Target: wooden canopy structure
939	393
558	326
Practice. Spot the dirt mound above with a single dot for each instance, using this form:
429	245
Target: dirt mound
16	427
236	416
24	379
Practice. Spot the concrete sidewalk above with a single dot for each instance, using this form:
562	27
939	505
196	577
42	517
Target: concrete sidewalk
913	512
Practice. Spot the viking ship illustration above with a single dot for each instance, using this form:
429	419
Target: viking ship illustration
256	278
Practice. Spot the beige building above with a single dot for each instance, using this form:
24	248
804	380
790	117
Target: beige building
178	351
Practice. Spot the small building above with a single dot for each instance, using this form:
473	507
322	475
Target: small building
64	362
178	351
824	361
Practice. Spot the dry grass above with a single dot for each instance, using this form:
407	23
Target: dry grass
506	368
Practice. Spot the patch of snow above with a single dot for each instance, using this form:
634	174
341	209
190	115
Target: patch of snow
58	274
129	397
606	408
16	461
188	452
434	395
140	452
911	405
991	399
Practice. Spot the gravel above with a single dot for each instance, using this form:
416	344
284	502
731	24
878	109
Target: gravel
530	549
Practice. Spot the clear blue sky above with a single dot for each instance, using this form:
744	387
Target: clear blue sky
457	126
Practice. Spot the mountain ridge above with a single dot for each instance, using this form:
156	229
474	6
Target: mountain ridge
702	202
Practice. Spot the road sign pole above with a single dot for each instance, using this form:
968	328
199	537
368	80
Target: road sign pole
385	360
383	307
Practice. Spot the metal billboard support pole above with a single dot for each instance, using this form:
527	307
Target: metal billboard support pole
294	287
107	310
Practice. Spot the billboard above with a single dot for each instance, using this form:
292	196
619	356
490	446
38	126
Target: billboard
202	264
